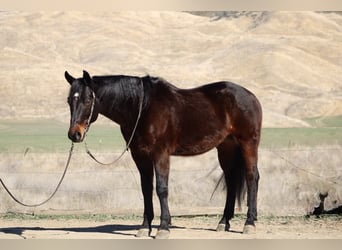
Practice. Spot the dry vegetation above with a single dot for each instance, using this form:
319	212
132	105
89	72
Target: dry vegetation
291	60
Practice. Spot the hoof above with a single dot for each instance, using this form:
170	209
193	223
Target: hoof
249	229
143	232
222	228
163	234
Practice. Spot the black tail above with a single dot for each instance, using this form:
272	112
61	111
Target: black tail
238	178
234	173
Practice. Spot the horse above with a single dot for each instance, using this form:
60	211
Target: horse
159	119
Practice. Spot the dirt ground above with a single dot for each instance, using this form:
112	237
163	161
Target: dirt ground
198	227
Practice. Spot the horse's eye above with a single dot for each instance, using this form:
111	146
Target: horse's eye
76	96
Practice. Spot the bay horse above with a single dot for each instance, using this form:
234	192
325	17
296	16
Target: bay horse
180	122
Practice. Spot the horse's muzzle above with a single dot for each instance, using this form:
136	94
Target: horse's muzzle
76	133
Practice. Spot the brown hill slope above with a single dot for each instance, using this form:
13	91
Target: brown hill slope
291	60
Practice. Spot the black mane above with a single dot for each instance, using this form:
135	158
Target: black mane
124	90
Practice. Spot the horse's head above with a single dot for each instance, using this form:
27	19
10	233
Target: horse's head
82	102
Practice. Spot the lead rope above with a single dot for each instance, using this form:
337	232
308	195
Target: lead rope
141	100
53	193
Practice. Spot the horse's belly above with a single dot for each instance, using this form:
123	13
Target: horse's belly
181	151
198	145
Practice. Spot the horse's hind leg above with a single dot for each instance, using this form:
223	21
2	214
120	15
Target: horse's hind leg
250	154
230	158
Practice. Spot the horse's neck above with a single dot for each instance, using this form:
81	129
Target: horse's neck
117	108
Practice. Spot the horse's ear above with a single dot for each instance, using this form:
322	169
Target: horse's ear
87	78
69	78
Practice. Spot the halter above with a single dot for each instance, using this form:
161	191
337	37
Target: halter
91	112
141	100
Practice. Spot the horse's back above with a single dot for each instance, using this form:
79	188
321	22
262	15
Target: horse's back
237	100
235	105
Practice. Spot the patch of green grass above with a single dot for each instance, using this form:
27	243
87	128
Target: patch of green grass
324	131
328	121
288	137
41	136
46	136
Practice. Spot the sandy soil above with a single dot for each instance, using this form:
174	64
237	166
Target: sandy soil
183	228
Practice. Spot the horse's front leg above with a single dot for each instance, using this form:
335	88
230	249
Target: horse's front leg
145	167
162	167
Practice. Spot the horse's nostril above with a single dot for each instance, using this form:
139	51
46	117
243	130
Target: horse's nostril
75	137
78	136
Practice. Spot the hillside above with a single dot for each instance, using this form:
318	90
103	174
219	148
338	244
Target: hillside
291	60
